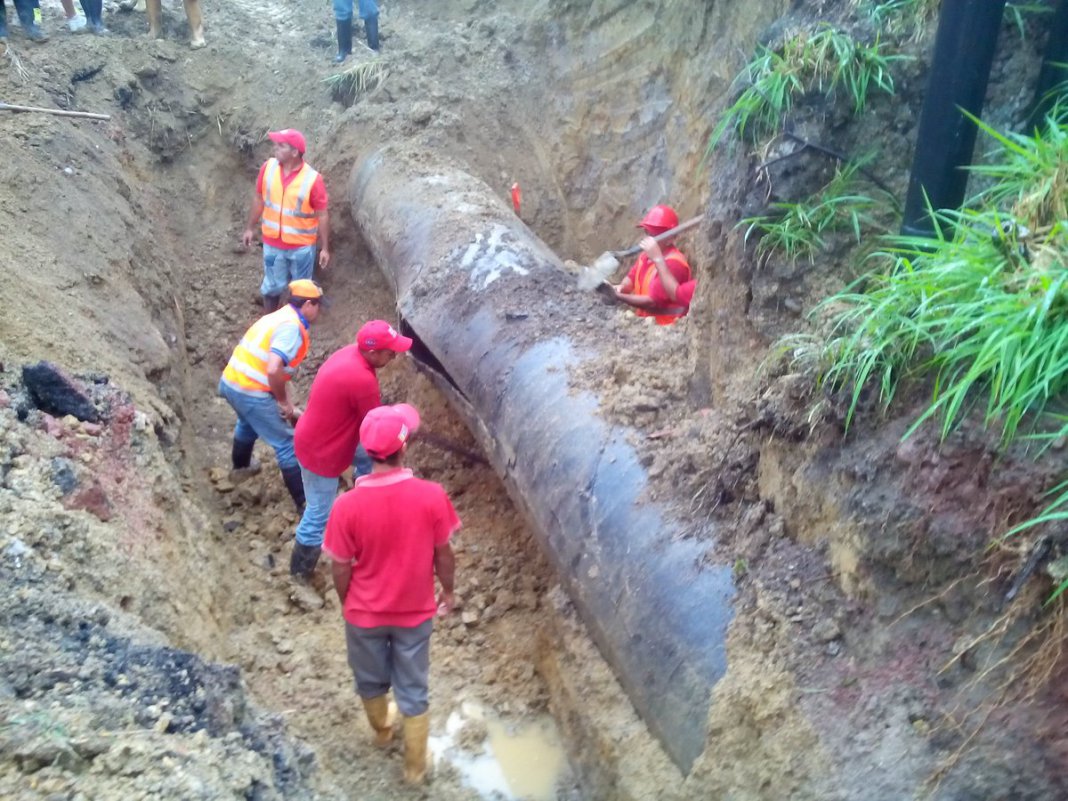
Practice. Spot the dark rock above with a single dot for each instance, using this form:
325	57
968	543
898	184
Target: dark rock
63	475
58	394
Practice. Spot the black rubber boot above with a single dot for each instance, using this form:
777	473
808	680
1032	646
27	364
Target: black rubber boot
270	303
303	560
344	39
371	26
241	454
295	484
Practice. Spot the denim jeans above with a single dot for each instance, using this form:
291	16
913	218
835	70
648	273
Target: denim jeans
392	656
343	9
319	494
282	265
258	418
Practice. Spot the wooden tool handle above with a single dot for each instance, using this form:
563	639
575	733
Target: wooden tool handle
57	112
634	251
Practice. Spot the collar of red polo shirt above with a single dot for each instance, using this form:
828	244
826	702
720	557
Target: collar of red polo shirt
380	335
386	428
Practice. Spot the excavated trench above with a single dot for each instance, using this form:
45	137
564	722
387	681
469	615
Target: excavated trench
154	646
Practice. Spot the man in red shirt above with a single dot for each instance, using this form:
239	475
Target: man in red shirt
641	286
666	292
291	205
387	538
328	432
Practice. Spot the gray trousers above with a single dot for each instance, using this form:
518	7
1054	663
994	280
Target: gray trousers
394	656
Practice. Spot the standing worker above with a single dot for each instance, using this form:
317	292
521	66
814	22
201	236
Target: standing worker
637	288
291	202
343	19
256	382
387	538
327	435
24	11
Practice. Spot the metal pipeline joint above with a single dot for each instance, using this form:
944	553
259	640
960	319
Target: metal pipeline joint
498	323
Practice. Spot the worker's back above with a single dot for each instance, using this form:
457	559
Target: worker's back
390	523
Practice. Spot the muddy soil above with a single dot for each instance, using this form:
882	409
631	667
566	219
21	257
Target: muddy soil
129	550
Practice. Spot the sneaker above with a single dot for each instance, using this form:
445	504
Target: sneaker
98	28
76	24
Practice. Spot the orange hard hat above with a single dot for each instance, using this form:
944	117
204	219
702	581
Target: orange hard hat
659	218
305	289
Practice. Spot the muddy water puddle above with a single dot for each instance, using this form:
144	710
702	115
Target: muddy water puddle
500	760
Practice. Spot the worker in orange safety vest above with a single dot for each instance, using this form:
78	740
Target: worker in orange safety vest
256	383
292	207
642	289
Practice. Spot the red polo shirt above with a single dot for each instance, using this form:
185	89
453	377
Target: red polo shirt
389	524
344	390
317	197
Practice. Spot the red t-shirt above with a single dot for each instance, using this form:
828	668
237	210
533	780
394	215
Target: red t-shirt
318	199
344	390
683	295
389	524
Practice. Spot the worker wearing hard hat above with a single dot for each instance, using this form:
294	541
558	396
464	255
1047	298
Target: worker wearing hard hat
291	205
388	537
256	382
642	288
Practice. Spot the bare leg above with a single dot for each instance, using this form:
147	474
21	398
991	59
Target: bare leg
196	23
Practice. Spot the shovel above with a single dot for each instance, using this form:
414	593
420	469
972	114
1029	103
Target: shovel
592	276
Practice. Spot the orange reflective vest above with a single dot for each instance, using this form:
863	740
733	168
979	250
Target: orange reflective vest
645	274
247	369
287	211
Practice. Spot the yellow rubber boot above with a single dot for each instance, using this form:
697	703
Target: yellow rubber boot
416	734
381	714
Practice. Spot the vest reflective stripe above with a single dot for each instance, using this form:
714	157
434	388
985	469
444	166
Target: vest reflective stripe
287	214
247	368
644	282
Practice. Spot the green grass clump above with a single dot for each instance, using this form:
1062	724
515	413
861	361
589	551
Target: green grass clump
826	61
798	230
898	17
983	306
914	17
970	308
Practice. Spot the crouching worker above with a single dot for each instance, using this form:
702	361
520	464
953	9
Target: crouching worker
642	289
256	383
387	538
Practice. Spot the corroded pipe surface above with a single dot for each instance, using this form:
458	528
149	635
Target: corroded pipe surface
499	321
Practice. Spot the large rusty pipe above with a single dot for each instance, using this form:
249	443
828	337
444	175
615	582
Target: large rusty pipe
498	319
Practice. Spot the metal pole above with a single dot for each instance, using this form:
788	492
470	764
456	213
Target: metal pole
960	69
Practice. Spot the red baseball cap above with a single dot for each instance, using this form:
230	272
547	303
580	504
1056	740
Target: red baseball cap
289	136
380	335
386	428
